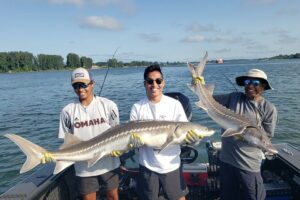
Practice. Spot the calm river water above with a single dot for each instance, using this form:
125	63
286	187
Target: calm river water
31	103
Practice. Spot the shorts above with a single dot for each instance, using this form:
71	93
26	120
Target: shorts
238	184
172	184
108	181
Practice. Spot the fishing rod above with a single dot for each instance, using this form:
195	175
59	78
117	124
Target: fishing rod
230	82
107	71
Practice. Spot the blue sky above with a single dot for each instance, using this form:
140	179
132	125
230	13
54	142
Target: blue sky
151	30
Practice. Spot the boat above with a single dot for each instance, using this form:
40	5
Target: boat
281	174
219	61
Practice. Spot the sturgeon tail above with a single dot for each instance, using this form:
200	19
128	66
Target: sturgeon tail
34	153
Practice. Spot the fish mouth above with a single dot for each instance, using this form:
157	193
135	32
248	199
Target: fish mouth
273	151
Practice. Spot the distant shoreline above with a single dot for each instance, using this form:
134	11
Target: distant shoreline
279	57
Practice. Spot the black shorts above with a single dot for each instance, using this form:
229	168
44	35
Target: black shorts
108	181
238	184
172	184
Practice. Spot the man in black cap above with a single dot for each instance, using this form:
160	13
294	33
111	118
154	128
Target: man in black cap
240	176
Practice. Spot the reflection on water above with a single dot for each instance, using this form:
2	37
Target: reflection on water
31	103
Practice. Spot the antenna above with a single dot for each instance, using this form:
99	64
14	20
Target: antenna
107	71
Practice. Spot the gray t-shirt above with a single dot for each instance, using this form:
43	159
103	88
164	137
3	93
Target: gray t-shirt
86	123
262	113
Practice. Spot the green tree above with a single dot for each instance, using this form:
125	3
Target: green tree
112	62
3	62
73	60
25	61
86	62
47	62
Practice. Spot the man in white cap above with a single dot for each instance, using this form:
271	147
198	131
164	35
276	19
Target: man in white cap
86	118
240	164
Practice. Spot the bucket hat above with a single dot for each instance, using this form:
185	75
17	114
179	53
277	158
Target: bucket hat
254	73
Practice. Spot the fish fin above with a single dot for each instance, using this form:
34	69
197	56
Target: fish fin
199	69
270	150
167	143
192	69
201	105
231	132
210	89
32	151
61	165
191	87
70	140
95	159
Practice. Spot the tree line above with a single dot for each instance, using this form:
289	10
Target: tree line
19	61
25	61
291	56
115	63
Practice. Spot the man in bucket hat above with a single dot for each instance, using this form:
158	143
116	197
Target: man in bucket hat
254	74
240	164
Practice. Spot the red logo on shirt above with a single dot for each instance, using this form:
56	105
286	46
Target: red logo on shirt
91	122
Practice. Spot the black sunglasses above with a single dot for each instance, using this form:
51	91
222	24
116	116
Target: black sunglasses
253	82
77	86
151	81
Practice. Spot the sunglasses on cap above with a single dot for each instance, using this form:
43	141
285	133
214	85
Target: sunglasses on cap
253	82
151	81
77	86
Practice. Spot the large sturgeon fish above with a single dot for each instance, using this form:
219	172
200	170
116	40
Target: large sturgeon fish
155	134
233	123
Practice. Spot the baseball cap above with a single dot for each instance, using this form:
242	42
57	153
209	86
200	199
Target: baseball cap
81	75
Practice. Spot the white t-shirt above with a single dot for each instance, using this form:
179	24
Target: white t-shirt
89	122
168	109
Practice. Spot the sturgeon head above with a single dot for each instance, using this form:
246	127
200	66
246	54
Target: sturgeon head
184	127
257	137
181	130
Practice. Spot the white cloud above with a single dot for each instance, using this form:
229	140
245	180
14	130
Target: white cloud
197	28
223	50
258	2
282	36
150	37
81	2
105	2
127	6
193	38
232	40
101	22
286	38
72	2
288	12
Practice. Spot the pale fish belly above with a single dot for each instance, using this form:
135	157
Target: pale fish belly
154	140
